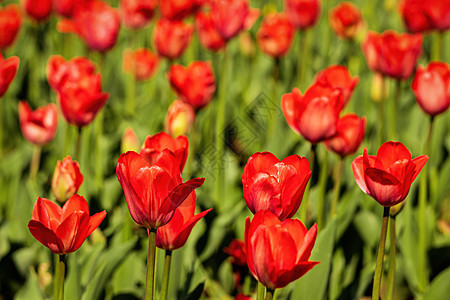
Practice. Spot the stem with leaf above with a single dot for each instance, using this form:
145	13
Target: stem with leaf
166	275
322	191
337	186
261	291
304	206
392	256
269	294
149	287
35	161
380	256
60	272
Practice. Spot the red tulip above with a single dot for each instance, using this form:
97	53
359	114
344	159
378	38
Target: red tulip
387	176
8	70
10	22
172	38
349	135
314	115
39	126
242	297
346	20
338	77
275	34
207	33
174	234
431	86
179	119
95	22
142	62
236	251
229	16
194	84
59	70
153	192
64	7
422	16
278	186
179	9
67	179
137	13
63	230
278	252
392	54
154	145
302	13
38	10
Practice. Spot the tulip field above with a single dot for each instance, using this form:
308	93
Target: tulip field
224	149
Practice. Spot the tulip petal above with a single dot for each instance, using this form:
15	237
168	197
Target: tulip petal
419	163
383	187
308	244
45	236
72	230
46	212
74	204
358	172
94	221
389	153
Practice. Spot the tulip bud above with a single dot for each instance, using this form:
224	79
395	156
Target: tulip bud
179	118
379	90
130	141
10	22
67	179
247	44
396	209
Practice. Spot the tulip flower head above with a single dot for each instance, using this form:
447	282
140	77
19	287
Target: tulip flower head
230	16
271	184
278	252
179	119
8	70
67	179
74	69
174	234
431	86
423	16
64	8
38	126
10	22
38	10
172	38
392	54
140	62
303	13
238	260
63	230
275	35
387	176
346	20
194	84
179	9
315	114
349	135
154	145
136	14
153	192
207	33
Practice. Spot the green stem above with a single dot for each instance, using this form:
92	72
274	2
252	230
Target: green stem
261	291
337	186
149	287
99	154
78	145
322	191
220	127
422	207
304	57
56	278
67	140
381	135
1	126
166	275
396	102
273	117
269	294
60	272
392	255
131	97
35	161
380	256
438	42
191	156
304	206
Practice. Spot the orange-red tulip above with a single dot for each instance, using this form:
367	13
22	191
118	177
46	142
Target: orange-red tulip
172	37
38	126
229	16
349	135
207	33
431	86
278	252
271	184
8	70
179	119
422	16
38	10
10	22
74	69
387	176
142	62
392	54
67	179
275	34
153	192
303	13
346	20
137	13
179	9
63	230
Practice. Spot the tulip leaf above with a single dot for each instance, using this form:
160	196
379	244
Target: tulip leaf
31	288
440	287
313	285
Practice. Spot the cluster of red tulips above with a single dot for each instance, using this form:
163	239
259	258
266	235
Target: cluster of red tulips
277	248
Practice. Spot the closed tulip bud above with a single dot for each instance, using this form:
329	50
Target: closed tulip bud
314	115
379	90
8	71
10	22
349	135
179	9
38	10
67	179
275	35
63	230
387	176
38	126
130	141
154	145
137	13
140	62
174	234
346	20
271	184
431	86
207	33
194	84
303	13
246	44
172	38
229	16
392	54
278	252
338	77
179	119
